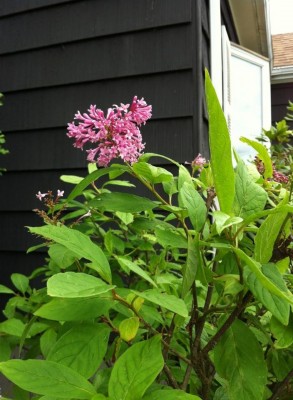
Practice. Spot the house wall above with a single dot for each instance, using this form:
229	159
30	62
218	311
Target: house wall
57	57
281	94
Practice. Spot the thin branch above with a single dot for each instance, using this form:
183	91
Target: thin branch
281	386
233	316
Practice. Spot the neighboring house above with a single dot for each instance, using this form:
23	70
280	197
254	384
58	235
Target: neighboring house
282	74
60	56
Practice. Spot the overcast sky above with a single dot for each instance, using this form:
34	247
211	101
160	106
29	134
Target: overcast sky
281	16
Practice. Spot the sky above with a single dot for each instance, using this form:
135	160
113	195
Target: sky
281	15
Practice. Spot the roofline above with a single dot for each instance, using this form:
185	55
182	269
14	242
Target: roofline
282	74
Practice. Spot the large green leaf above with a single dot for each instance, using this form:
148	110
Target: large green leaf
263	154
81	348
168	301
239	359
136	370
76	284
79	243
220	149
124	202
195	205
250	198
172	394
124	262
20	281
267	235
47	378
12	326
79	309
278	306
151	173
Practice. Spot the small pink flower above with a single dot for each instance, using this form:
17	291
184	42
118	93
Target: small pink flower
279	177
198	162
60	193
40	195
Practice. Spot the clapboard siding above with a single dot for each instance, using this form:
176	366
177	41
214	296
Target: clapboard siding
169	93
169	137
8	7
58	57
281	93
88	19
98	59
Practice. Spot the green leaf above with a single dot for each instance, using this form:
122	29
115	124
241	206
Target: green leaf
76	284
79	309
13	326
255	267
63	257
123	202
78	190
278	306
171	394
193	263
128	328
47	340
5	349
116	182
263	155
239	359
5	289
220	148
195	205
267	235
170	238
136	369
81	348
283	333
125	262
20	281
168	301
47	378
71	179
151	173
126	218
223	221
79	243
250	198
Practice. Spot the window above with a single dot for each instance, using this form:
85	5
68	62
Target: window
243	86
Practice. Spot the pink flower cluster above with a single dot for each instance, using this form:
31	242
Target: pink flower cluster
116	135
198	162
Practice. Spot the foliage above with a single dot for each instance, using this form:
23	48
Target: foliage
182	293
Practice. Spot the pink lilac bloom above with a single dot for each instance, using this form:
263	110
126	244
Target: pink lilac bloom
116	134
198	162
40	195
279	177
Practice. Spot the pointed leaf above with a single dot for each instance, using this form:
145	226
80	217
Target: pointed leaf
250	198
123	261
79	243
76	284
151	173
123	202
47	378
245	371
279	307
81	348
283	333
263	154
220	148
164	300
78	309
136	370
193	263
195	205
